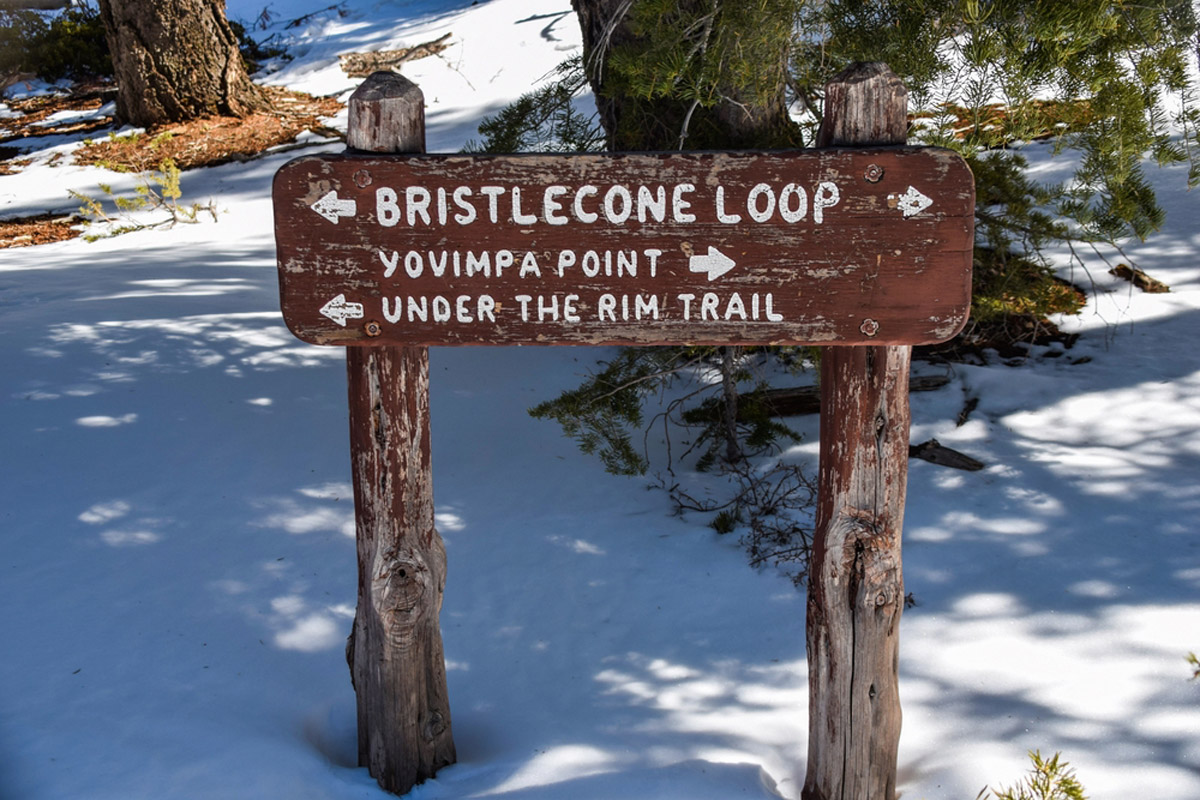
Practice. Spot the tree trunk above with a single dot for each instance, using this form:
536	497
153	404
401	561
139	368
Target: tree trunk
176	60
672	122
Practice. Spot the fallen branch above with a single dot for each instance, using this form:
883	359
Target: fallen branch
1139	279
935	452
794	402
360	65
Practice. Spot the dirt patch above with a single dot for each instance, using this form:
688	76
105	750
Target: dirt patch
214	140
42	229
199	143
35	111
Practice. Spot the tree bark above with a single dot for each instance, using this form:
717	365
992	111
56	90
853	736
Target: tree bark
176	60
395	652
855	584
675	123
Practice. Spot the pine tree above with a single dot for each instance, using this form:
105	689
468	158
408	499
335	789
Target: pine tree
1108	81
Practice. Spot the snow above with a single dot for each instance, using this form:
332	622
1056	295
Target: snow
178	565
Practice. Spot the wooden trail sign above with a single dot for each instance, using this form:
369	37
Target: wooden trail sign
868	247
801	247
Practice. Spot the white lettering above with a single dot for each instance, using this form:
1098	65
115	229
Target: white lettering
679	206
728	219
771	315
551	206
486	307
617	192
492	193
653	255
413	264
387	312
524	300
644	308
467	215
529	266
760	214
416	202
518	216
735	307
441	309
438	268
566	258
584	216
655	204
606	306
441	206
481	264
826	196
386	210
591	263
798	213
570	312
504	258
547	308
389	264
687	304
627	263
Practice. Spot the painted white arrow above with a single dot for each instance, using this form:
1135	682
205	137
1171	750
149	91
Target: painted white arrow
715	263
339	310
911	202
331	207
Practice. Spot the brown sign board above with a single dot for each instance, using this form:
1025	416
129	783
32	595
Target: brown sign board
836	246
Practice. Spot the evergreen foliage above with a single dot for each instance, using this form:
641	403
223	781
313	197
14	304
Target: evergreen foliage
1103	78
54	45
1106	80
1048	779
687	67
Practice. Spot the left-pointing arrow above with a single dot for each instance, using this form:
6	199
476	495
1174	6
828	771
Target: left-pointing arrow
330	206
339	310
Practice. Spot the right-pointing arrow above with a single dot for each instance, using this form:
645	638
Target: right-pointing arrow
910	203
715	263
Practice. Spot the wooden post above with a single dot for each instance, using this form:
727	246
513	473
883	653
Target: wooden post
856	590
395	650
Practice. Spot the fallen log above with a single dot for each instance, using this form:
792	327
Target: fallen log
360	65
935	452
796	401
1139	279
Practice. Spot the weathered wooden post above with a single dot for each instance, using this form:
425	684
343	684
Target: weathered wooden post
856	590
395	649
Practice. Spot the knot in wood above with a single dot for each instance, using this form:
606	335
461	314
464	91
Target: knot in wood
403	592
435	726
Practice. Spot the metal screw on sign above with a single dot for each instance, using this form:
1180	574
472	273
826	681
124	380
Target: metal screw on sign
874	173
869	327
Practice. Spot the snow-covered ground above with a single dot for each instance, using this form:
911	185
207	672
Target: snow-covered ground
177	567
